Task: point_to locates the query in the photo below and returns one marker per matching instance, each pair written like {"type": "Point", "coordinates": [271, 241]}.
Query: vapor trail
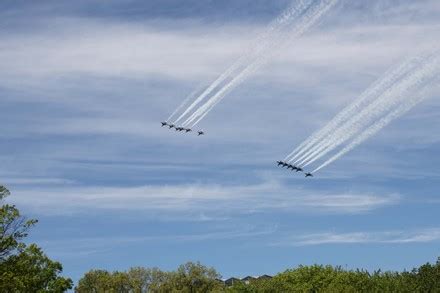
{"type": "Point", "coordinates": [380, 85]}
{"type": "Point", "coordinates": [191, 96]}
{"type": "Point", "coordinates": [383, 104]}
{"type": "Point", "coordinates": [259, 45]}
{"type": "Point", "coordinates": [376, 96]}
{"type": "Point", "coordinates": [210, 88]}
{"type": "Point", "coordinates": [372, 130]}
{"type": "Point", "coordinates": [310, 16]}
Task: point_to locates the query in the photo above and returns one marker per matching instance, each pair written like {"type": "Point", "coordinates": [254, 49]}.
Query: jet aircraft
{"type": "Point", "coordinates": [309, 175]}
{"type": "Point", "coordinates": [299, 169]}
{"type": "Point", "coordinates": [280, 163]}
{"type": "Point", "coordinates": [188, 130]}
{"type": "Point", "coordinates": [292, 167]}
{"type": "Point", "coordinates": [200, 133]}
{"type": "Point", "coordinates": [164, 124]}
{"type": "Point", "coordinates": [171, 126]}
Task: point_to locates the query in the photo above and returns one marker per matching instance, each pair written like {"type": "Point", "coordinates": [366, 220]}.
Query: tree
{"type": "Point", "coordinates": [147, 280]}
{"type": "Point", "coordinates": [13, 227]}
{"type": "Point", "coordinates": [32, 271]}
{"type": "Point", "coordinates": [24, 268]}
{"type": "Point", "coordinates": [428, 277]}
{"type": "Point", "coordinates": [95, 281]}
{"type": "Point", "coordinates": [195, 277]}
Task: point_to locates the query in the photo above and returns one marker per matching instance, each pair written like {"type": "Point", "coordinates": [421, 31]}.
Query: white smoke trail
{"type": "Point", "coordinates": [210, 88]}
{"type": "Point", "coordinates": [264, 46]}
{"type": "Point", "coordinates": [191, 96]}
{"type": "Point", "coordinates": [310, 16]}
{"type": "Point", "coordinates": [259, 45]}
{"type": "Point", "coordinates": [384, 103]}
{"type": "Point", "coordinates": [380, 85]}
{"type": "Point", "coordinates": [376, 94]}
{"type": "Point", "coordinates": [372, 130]}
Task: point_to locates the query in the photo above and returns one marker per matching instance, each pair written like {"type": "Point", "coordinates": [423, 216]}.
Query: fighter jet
{"type": "Point", "coordinates": [164, 124]}
{"type": "Point", "coordinates": [188, 130]}
{"type": "Point", "coordinates": [280, 163]}
{"type": "Point", "coordinates": [200, 133]}
{"type": "Point", "coordinates": [171, 126]}
{"type": "Point", "coordinates": [292, 167]}
{"type": "Point", "coordinates": [285, 165]}
{"type": "Point", "coordinates": [180, 129]}
{"type": "Point", "coordinates": [299, 169]}
{"type": "Point", "coordinates": [309, 175]}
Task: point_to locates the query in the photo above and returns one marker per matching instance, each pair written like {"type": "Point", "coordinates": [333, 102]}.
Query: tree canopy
{"type": "Point", "coordinates": [194, 277]}
{"type": "Point", "coordinates": [24, 268]}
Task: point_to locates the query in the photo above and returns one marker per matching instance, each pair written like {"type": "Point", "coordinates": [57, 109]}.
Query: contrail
{"type": "Point", "coordinates": [187, 99]}
{"type": "Point", "coordinates": [295, 9]}
{"type": "Point", "coordinates": [372, 130]}
{"type": "Point", "coordinates": [211, 87]}
{"type": "Point", "coordinates": [384, 103]}
{"type": "Point", "coordinates": [384, 82]}
{"type": "Point", "coordinates": [310, 16]}
{"type": "Point", "coordinates": [356, 117]}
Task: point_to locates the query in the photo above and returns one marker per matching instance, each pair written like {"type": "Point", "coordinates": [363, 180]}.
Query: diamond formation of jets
{"type": "Point", "coordinates": [293, 168]}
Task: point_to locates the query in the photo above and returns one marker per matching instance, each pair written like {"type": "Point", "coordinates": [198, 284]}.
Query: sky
{"type": "Point", "coordinates": [85, 84]}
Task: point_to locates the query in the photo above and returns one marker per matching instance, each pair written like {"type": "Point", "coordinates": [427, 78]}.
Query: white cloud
{"type": "Point", "coordinates": [35, 181]}
{"type": "Point", "coordinates": [387, 237]}
{"type": "Point", "coordinates": [196, 52]}
{"type": "Point", "coordinates": [85, 246]}
{"type": "Point", "coordinates": [197, 199]}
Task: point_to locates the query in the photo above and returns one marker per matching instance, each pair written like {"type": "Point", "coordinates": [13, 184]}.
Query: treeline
{"type": "Point", "coordinates": [194, 277]}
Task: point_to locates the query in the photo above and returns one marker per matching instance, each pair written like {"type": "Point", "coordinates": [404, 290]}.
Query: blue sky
{"type": "Point", "coordinates": [84, 85]}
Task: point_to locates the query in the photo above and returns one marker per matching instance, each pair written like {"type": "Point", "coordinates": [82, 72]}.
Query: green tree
{"type": "Point", "coordinates": [24, 268]}
{"type": "Point", "coordinates": [95, 281]}
{"type": "Point", "coordinates": [195, 277]}
{"type": "Point", "coordinates": [147, 280]}
{"type": "Point", "coordinates": [32, 271]}
{"type": "Point", "coordinates": [13, 227]}
{"type": "Point", "coordinates": [428, 277]}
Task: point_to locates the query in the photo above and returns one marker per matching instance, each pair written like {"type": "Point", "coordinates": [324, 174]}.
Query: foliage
{"type": "Point", "coordinates": [32, 271]}
{"type": "Point", "coordinates": [194, 277]}
{"type": "Point", "coordinates": [317, 278]}
{"type": "Point", "coordinates": [189, 277]}
{"type": "Point", "coordinates": [13, 227]}
{"type": "Point", "coordinates": [24, 268]}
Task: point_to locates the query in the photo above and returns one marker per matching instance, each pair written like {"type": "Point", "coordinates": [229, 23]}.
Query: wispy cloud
{"type": "Point", "coordinates": [199, 198]}
{"type": "Point", "coordinates": [103, 48]}
{"type": "Point", "coordinates": [387, 237]}
{"type": "Point", "coordinates": [34, 181]}
{"type": "Point", "coordinates": [99, 245]}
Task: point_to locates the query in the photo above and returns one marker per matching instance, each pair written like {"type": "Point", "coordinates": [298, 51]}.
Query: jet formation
{"type": "Point", "coordinates": [180, 129]}
{"type": "Point", "coordinates": [293, 168]}
{"type": "Point", "coordinates": [200, 132]}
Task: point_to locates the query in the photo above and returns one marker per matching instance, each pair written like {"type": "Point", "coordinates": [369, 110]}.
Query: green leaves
{"type": "Point", "coordinates": [13, 227]}
{"type": "Point", "coordinates": [24, 268]}
{"type": "Point", "coordinates": [189, 277]}
{"type": "Point", "coordinates": [32, 271]}
{"type": "Point", "coordinates": [194, 277]}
